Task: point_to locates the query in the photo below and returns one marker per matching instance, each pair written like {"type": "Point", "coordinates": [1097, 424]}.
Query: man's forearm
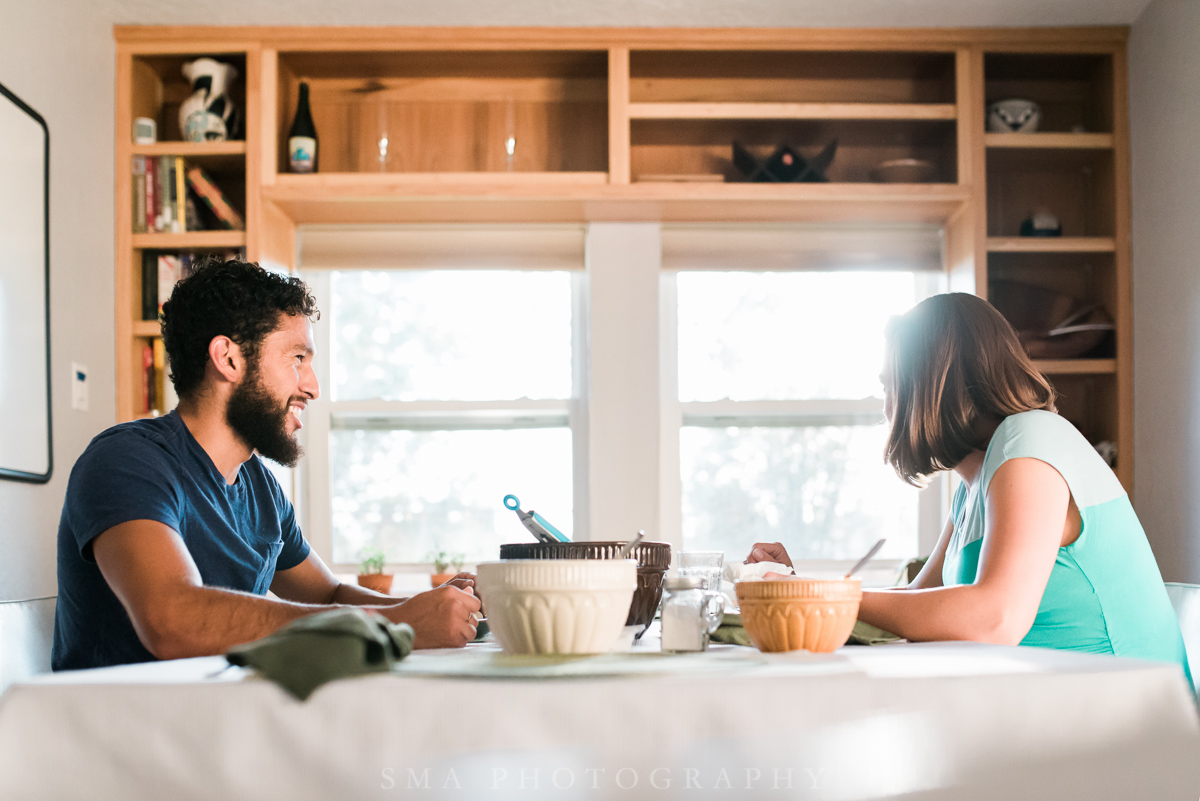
{"type": "Point", "coordinates": [353, 595]}
{"type": "Point", "coordinates": [203, 621]}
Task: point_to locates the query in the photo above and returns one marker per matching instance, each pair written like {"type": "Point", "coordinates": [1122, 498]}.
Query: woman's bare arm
{"type": "Point", "coordinates": [1026, 506]}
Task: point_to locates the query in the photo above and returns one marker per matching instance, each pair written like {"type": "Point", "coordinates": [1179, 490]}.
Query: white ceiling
{"type": "Point", "coordinates": [714, 13]}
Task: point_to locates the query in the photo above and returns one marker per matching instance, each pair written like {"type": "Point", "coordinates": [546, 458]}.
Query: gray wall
{"type": "Point", "coordinates": [1165, 122]}
{"type": "Point", "coordinates": [60, 62]}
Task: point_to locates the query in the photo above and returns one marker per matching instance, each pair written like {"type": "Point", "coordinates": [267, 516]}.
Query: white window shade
{"type": "Point", "coordinates": [802, 247]}
{"type": "Point", "coordinates": [442, 247]}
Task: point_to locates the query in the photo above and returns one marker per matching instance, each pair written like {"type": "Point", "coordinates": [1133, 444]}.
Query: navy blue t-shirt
{"type": "Point", "coordinates": [238, 534]}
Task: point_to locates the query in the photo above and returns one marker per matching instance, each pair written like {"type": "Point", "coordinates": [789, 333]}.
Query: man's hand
{"type": "Point", "coordinates": [768, 552]}
{"type": "Point", "coordinates": [442, 618]}
{"type": "Point", "coordinates": [466, 582]}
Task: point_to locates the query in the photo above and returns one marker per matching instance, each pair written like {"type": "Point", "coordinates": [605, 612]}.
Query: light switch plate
{"type": "Point", "coordinates": [79, 387]}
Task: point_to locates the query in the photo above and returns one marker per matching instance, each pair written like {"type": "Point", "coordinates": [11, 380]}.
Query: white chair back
{"type": "Point", "coordinates": [26, 635]}
{"type": "Point", "coordinates": [1186, 600]}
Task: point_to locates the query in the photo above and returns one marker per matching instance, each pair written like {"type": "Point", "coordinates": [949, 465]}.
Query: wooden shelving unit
{"type": "Point", "coordinates": [150, 84]}
{"type": "Point", "coordinates": [638, 124]}
{"type": "Point", "coordinates": [1077, 168]}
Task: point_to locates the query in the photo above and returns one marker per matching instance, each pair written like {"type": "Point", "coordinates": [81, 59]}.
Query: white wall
{"type": "Point", "coordinates": [60, 62]}
{"type": "Point", "coordinates": [1165, 120]}
{"type": "Point", "coordinates": [619, 13]}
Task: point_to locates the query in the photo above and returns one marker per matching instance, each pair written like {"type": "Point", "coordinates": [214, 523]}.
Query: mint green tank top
{"type": "Point", "coordinates": [1105, 593]}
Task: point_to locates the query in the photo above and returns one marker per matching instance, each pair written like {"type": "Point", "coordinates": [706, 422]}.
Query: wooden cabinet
{"type": "Point", "coordinates": [549, 125]}
{"type": "Point", "coordinates": [1075, 167]}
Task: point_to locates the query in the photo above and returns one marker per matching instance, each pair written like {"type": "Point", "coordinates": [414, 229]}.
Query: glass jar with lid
{"type": "Point", "coordinates": [689, 614]}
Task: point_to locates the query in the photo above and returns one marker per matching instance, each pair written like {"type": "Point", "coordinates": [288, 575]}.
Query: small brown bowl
{"type": "Point", "coordinates": [653, 559]}
{"type": "Point", "coordinates": [793, 614]}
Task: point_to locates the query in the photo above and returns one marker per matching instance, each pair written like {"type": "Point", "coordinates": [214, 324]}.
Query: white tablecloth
{"type": "Point", "coordinates": [922, 721]}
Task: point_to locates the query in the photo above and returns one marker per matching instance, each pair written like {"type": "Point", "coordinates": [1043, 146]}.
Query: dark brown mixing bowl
{"type": "Point", "coordinates": [653, 559]}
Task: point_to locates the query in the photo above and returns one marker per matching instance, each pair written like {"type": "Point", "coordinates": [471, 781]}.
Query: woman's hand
{"type": "Point", "coordinates": [768, 552]}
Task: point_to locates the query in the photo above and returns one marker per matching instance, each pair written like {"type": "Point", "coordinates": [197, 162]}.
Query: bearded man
{"type": "Point", "coordinates": [173, 529]}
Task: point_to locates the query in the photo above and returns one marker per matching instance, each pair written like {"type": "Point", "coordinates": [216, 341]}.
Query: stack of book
{"type": "Point", "coordinates": [162, 270]}
{"type": "Point", "coordinates": [169, 196]}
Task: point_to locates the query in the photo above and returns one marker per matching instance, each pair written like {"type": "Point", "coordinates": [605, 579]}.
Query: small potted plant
{"type": "Point", "coordinates": [445, 566]}
{"type": "Point", "coordinates": [370, 571]}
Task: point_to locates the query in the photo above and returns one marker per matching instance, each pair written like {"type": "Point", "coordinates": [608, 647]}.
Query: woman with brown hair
{"type": "Point", "coordinates": [1042, 546]}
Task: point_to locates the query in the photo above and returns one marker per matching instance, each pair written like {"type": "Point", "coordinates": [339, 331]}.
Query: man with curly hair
{"type": "Point", "coordinates": [173, 530]}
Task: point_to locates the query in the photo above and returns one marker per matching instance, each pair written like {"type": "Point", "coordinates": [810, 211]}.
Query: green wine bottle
{"type": "Point", "coordinates": [302, 137]}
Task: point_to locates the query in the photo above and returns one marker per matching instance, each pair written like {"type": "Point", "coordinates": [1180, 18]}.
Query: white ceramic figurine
{"type": "Point", "coordinates": [209, 115]}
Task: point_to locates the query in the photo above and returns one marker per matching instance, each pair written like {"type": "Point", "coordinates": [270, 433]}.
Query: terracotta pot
{"type": "Point", "coordinates": [438, 579]}
{"type": "Point", "coordinates": [809, 614]}
{"type": "Point", "coordinates": [380, 582]}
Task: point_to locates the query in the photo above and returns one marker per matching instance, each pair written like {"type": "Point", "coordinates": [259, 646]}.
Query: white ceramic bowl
{"type": "Point", "coordinates": [557, 606]}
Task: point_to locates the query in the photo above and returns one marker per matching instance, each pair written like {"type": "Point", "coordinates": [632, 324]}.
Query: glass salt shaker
{"type": "Point", "coordinates": [689, 615]}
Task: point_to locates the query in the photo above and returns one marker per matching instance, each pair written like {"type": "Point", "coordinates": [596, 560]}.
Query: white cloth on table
{"type": "Point", "coordinates": [932, 720]}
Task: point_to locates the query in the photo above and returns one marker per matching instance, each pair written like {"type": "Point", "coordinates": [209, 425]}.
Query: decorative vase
{"type": "Point", "coordinates": [209, 115]}
{"type": "Point", "coordinates": [380, 582]}
{"type": "Point", "coordinates": [438, 579]}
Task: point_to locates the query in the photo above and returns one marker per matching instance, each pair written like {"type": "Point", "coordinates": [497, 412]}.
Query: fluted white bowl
{"type": "Point", "coordinates": [557, 606]}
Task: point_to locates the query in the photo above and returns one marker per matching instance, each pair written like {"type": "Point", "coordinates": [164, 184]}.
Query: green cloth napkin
{"type": "Point", "coordinates": [337, 644]}
{"type": "Point", "coordinates": [732, 632]}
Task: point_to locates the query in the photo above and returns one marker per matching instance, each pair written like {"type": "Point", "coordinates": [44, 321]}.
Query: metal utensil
{"type": "Point", "coordinates": [628, 547]}
{"type": "Point", "coordinates": [861, 563]}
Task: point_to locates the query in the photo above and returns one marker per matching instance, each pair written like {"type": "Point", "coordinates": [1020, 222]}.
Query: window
{"type": "Point", "coordinates": [782, 414]}
{"type": "Point", "coordinates": [713, 385]}
{"type": "Point", "coordinates": [443, 391]}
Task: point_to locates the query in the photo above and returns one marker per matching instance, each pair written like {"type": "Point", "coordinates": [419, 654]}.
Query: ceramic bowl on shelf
{"type": "Point", "coordinates": [903, 171]}
{"type": "Point", "coordinates": [793, 614]}
{"type": "Point", "coordinates": [557, 606]}
{"type": "Point", "coordinates": [653, 559]}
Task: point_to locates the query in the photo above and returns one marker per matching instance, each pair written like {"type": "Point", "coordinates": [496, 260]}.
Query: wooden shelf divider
{"type": "Point", "coordinates": [1051, 244]}
{"type": "Point", "coordinates": [191, 149]}
{"type": "Point", "coordinates": [793, 111]}
{"type": "Point", "coordinates": [193, 240]}
{"type": "Point", "coordinates": [1076, 366]}
{"type": "Point", "coordinates": [146, 328]}
{"type": "Point", "coordinates": [1050, 141]}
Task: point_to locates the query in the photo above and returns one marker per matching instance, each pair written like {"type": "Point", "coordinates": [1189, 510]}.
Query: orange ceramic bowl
{"type": "Point", "coordinates": [794, 614]}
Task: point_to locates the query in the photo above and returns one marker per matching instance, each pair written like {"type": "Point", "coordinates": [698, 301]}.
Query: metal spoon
{"type": "Point", "coordinates": [861, 563]}
{"type": "Point", "coordinates": [628, 547]}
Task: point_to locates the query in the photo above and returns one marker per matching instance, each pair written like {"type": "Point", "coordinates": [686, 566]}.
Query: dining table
{"type": "Point", "coordinates": [949, 720]}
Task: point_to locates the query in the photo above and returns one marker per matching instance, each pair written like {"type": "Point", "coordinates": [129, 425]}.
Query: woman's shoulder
{"type": "Point", "coordinates": [1041, 423]}
{"type": "Point", "coordinates": [1053, 439]}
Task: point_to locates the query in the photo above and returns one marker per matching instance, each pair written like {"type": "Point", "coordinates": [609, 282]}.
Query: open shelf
{"type": "Point", "coordinates": [1073, 90]}
{"type": "Point", "coordinates": [1051, 244]}
{"type": "Point", "coordinates": [1077, 186]}
{"type": "Point", "coordinates": [793, 111]}
{"type": "Point", "coordinates": [193, 240]}
{"type": "Point", "coordinates": [159, 88]}
{"type": "Point", "coordinates": [705, 146]}
{"type": "Point", "coordinates": [1089, 401]}
{"type": "Point", "coordinates": [450, 111]}
{"type": "Point", "coordinates": [794, 76]}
